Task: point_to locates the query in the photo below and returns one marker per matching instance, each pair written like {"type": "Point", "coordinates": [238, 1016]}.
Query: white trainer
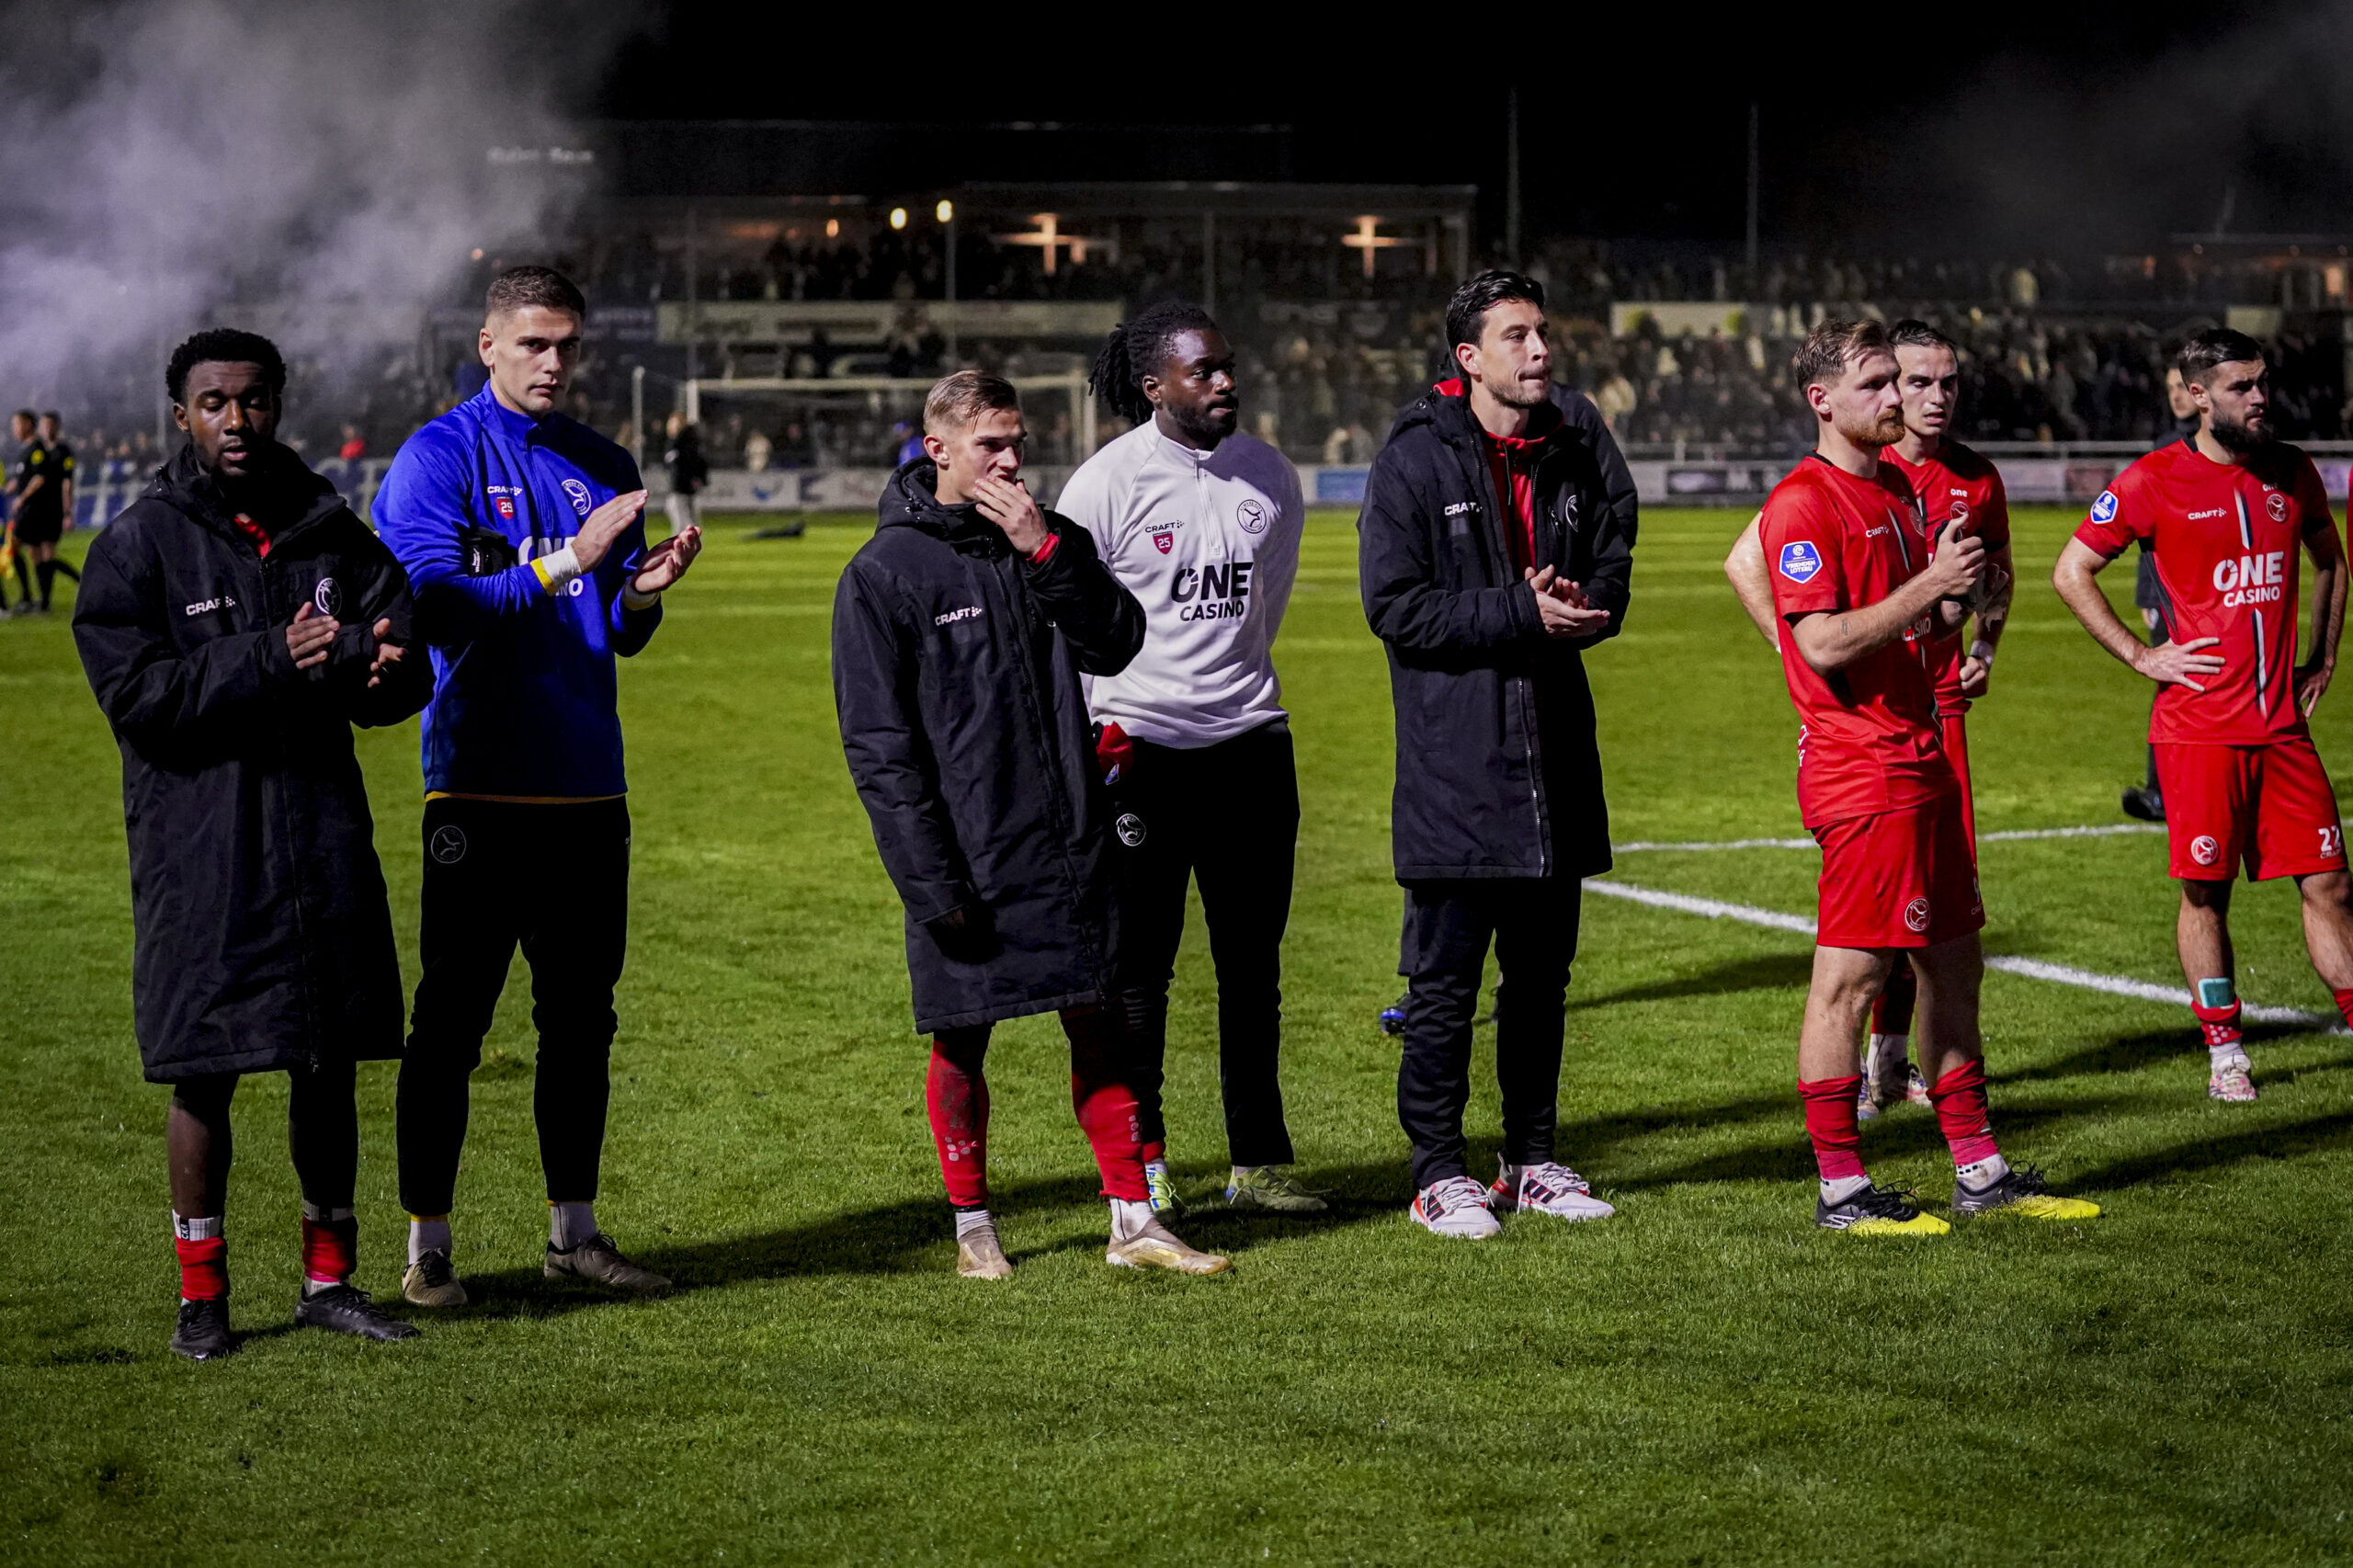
{"type": "Point", "coordinates": [1547, 1188]}
{"type": "Point", "coordinates": [1456, 1206]}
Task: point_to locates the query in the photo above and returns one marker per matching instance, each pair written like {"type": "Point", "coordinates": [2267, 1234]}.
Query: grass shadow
{"type": "Point", "coordinates": [2129, 1053]}
{"type": "Point", "coordinates": [907, 1237]}
{"type": "Point", "coordinates": [1764, 972]}
{"type": "Point", "coordinates": [2279, 1142]}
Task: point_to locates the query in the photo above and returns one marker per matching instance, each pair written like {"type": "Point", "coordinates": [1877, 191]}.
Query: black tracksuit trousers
{"type": "Point", "coordinates": [1533, 924]}
{"type": "Point", "coordinates": [1226, 815]}
{"type": "Point", "coordinates": [555, 879]}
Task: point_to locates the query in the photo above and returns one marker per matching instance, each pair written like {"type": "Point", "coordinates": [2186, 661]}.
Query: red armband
{"type": "Point", "coordinates": [1045, 551]}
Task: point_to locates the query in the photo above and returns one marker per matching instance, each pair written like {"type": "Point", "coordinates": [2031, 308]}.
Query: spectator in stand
{"type": "Point", "coordinates": [756, 451]}
{"type": "Point", "coordinates": [355, 444]}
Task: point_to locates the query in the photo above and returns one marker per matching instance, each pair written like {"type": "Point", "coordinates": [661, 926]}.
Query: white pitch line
{"type": "Point", "coordinates": [2031, 969]}
{"type": "Point", "coordinates": [2105, 830]}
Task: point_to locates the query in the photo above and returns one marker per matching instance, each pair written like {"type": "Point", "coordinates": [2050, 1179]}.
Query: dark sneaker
{"type": "Point", "coordinates": [430, 1281]}
{"type": "Point", "coordinates": [1878, 1211]}
{"type": "Point", "coordinates": [599, 1262]}
{"type": "Point", "coordinates": [2144, 803]}
{"type": "Point", "coordinates": [2022, 1193]}
{"type": "Point", "coordinates": [346, 1308]}
{"type": "Point", "coordinates": [202, 1332]}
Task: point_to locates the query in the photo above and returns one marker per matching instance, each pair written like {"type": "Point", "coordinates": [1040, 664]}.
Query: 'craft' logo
{"type": "Point", "coordinates": [2204, 850]}
{"type": "Point", "coordinates": [1916, 914]}
{"type": "Point", "coordinates": [449, 844]}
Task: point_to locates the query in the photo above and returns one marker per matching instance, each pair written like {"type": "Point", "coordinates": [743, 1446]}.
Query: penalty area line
{"type": "Point", "coordinates": [2102, 830]}
{"type": "Point", "coordinates": [2031, 969]}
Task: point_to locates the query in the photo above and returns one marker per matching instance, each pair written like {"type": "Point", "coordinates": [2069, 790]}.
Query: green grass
{"type": "Point", "coordinates": [1704, 1379]}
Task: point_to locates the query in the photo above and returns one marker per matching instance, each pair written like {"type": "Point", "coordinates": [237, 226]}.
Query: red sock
{"type": "Point", "coordinates": [1831, 1125]}
{"type": "Point", "coordinates": [1891, 1009]}
{"type": "Point", "coordinates": [204, 1268]}
{"type": "Point", "coordinates": [330, 1249]}
{"type": "Point", "coordinates": [2345, 1006]}
{"type": "Point", "coordinates": [1960, 1099]}
{"type": "Point", "coordinates": [956, 1092]}
{"type": "Point", "coordinates": [1105, 1103]}
{"type": "Point", "coordinates": [2221, 1025]}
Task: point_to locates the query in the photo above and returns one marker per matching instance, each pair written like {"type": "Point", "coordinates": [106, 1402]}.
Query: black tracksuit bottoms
{"type": "Point", "coordinates": [555, 879]}
{"type": "Point", "coordinates": [1226, 815]}
{"type": "Point", "coordinates": [1532, 921]}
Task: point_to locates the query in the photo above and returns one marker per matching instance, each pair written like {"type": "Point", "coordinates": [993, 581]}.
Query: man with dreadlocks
{"type": "Point", "coordinates": [1201, 523]}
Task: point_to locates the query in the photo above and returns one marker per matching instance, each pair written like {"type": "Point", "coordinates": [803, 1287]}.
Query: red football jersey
{"type": "Point", "coordinates": [1869, 741]}
{"type": "Point", "coordinates": [2227, 540]}
{"type": "Point", "coordinates": [1957, 485]}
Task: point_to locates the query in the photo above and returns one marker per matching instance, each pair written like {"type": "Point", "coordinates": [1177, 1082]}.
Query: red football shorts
{"type": "Point", "coordinates": [2270, 807]}
{"type": "Point", "coordinates": [1903, 879]}
{"type": "Point", "coordinates": [1954, 722]}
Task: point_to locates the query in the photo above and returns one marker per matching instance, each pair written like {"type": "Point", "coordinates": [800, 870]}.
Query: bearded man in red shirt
{"type": "Point", "coordinates": [2224, 512]}
{"type": "Point", "coordinates": [1863, 596]}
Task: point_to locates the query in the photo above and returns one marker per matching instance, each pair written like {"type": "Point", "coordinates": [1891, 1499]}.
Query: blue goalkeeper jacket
{"type": "Point", "coordinates": [523, 676]}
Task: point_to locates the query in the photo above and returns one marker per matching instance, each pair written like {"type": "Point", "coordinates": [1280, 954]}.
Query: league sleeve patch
{"type": "Point", "coordinates": [1800, 561]}
{"type": "Point", "coordinates": [2104, 509]}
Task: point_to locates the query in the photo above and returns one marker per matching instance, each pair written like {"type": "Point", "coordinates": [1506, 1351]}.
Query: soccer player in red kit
{"type": "Point", "coordinates": [1860, 596]}
{"type": "Point", "coordinates": [2224, 510]}
{"type": "Point", "coordinates": [1951, 484]}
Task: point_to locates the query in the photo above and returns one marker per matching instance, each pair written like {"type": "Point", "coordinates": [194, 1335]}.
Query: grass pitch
{"type": "Point", "coordinates": [1705, 1379]}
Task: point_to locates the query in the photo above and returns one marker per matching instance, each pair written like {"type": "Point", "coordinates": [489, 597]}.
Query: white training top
{"type": "Point", "coordinates": [1208, 542]}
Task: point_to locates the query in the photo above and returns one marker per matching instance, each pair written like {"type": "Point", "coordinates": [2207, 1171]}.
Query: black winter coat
{"type": "Point", "coordinates": [1498, 771]}
{"type": "Point", "coordinates": [956, 668]}
{"type": "Point", "coordinates": [263, 935]}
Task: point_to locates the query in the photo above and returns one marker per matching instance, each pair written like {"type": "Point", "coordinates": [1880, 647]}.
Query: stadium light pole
{"type": "Point", "coordinates": [1208, 260]}
{"type": "Point", "coordinates": [637, 414]}
{"type": "Point", "coordinates": [1511, 176]}
{"type": "Point", "coordinates": [1752, 198]}
{"type": "Point", "coordinates": [946, 213]}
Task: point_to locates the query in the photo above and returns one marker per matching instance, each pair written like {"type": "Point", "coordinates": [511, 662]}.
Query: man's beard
{"type": "Point", "coordinates": [1514, 393]}
{"type": "Point", "coordinates": [1200, 424]}
{"type": "Point", "coordinates": [1881, 431]}
{"type": "Point", "coordinates": [2236, 437]}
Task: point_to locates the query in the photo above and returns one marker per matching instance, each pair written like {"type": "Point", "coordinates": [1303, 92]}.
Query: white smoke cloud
{"type": "Point", "coordinates": [322, 169]}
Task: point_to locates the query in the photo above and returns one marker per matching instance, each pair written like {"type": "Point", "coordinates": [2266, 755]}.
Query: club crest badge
{"type": "Point", "coordinates": [1131, 829]}
{"type": "Point", "coordinates": [1800, 561]}
{"type": "Point", "coordinates": [2204, 849]}
{"type": "Point", "coordinates": [448, 846]}
{"type": "Point", "coordinates": [327, 598]}
{"type": "Point", "coordinates": [1252, 517]}
{"type": "Point", "coordinates": [1916, 914]}
{"type": "Point", "coordinates": [2277, 505]}
{"type": "Point", "coordinates": [578, 494]}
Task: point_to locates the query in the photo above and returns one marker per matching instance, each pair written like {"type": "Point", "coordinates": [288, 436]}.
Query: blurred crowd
{"type": "Point", "coordinates": [2051, 351]}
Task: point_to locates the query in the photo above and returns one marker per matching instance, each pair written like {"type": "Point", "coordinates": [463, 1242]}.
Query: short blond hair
{"type": "Point", "coordinates": [957, 400]}
{"type": "Point", "coordinates": [1822, 360]}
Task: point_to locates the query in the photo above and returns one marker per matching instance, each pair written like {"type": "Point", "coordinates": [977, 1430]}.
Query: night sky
{"type": "Point", "coordinates": [2114, 125]}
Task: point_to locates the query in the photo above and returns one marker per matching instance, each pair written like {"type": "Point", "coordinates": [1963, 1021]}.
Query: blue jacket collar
{"type": "Point", "coordinates": [516, 426]}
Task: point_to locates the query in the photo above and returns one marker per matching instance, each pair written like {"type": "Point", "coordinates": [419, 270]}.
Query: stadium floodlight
{"type": "Point", "coordinates": [945, 212]}
{"type": "Point", "coordinates": [898, 216]}
{"type": "Point", "coordinates": [833, 228]}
